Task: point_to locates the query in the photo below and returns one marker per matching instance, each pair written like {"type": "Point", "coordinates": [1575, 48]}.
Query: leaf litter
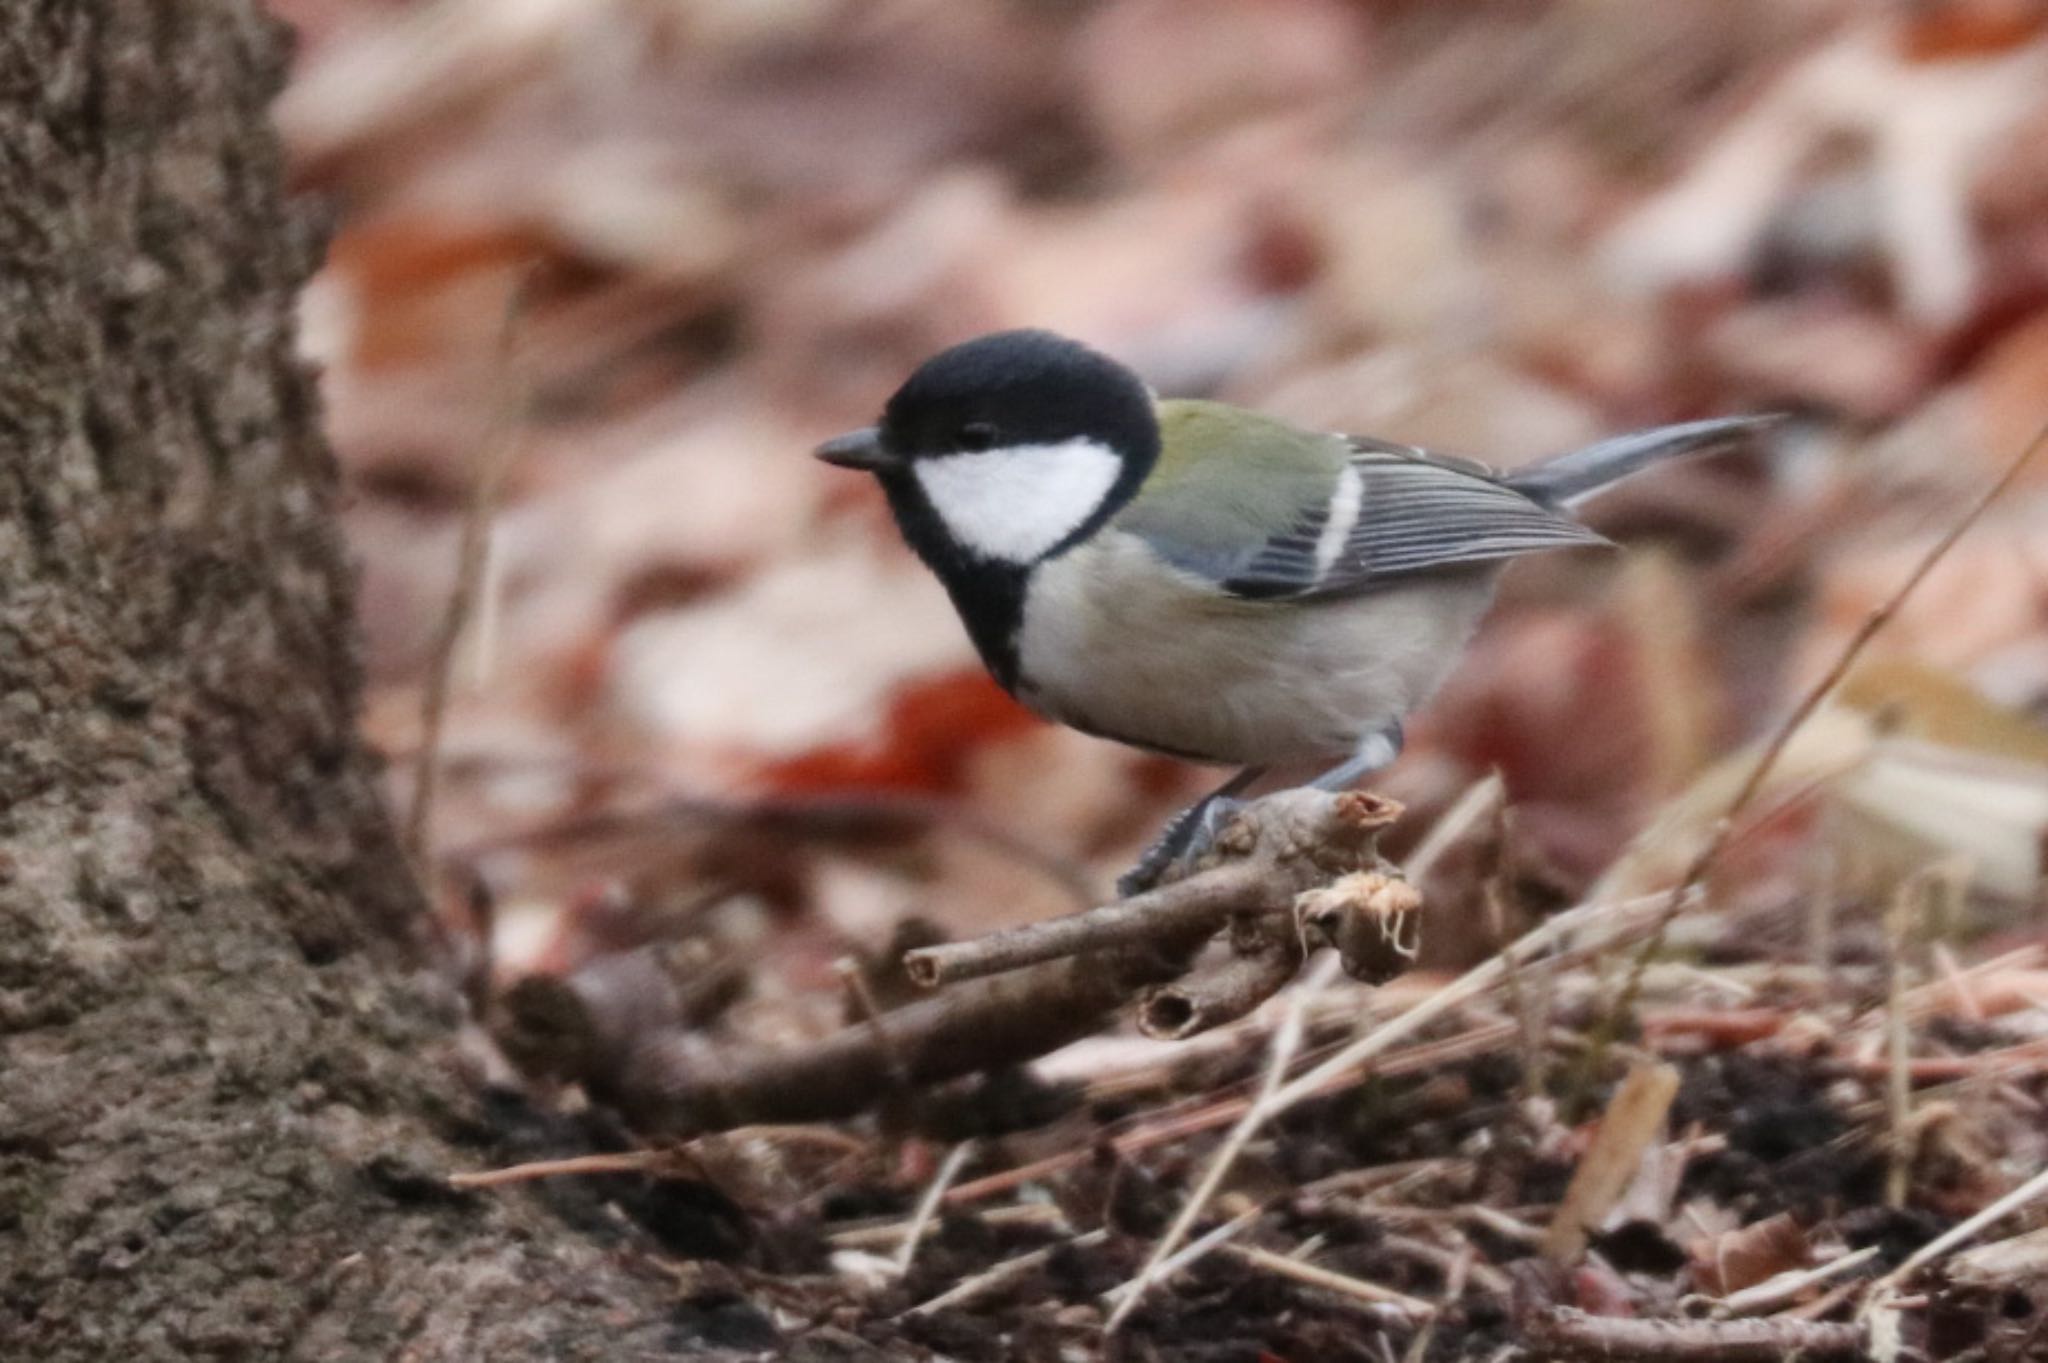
{"type": "Point", "coordinates": [714, 755]}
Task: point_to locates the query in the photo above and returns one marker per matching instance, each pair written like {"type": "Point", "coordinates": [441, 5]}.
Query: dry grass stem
{"type": "Point", "coordinates": [871, 1014]}
{"type": "Point", "coordinates": [928, 1205]}
{"type": "Point", "coordinates": [1782, 1288]}
{"type": "Point", "coordinates": [2002, 1263]}
{"type": "Point", "coordinates": [1899, 916]}
{"type": "Point", "coordinates": [1454, 1288]}
{"type": "Point", "coordinates": [1000, 1275]}
{"type": "Point", "coordinates": [1339, 1068]}
{"type": "Point", "coordinates": [493, 461]}
{"type": "Point", "coordinates": [2033, 1190]}
{"type": "Point", "coordinates": [1126, 1296]}
{"type": "Point", "coordinates": [1774, 749]}
{"type": "Point", "coordinates": [1286, 1041]}
{"type": "Point", "coordinates": [1358, 1289]}
{"type": "Point", "coordinates": [1177, 1127]}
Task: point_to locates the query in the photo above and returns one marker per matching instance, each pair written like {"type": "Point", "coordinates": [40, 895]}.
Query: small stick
{"type": "Point", "coordinates": [1775, 1291]}
{"type": "Point", "coordinates": [2002, 1263]}
{"type": "Point", "coordinates": [1933, 996]}
{"type": "Point", "coordinates": [2018, 1058]}
{"type": "Point", "coordinates": [1479, 980]}
{"type": "Point", "coordinates": [1449, 1262]}
{"type": "Point", "coordinates": [999, 1275]}
{"type": "Point", "coordinates": [1358, 1289]}
{"type": "Point", "coordinates": [1632, 1120]}
{"type": "Point", "coordinates": [1565, 1332]}
{"type": "Point", "coordinates": [928, 1205]}
{"type": "Point", "coordinates": [1127, 1295]}
{"type": "Point", "coordinates": [1138, 919]}
{"type": "Point", "coordinates": [1481, 796]}
{"type": "Point", "coordinates": [623, 1162]}
{"type": "Point", "coordinates": [1309, 833]}
{"type": "Point", "coordinates": [1500, 1223]}
{"type": "Point", "coordinates": [889, 1234]}
{"type": "Point", "coordinates": [1203, 999]}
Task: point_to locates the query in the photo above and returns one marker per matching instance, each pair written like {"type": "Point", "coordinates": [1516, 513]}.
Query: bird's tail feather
{"type": "Point", "coordinates": [1571, 477]}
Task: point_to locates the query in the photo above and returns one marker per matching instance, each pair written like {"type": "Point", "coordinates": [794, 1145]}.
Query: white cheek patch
{"type": "Point", "coordinates": [1014, 504]}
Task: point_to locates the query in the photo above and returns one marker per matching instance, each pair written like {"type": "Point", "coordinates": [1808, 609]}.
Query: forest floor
{"type": "Point", "coordinates": [710, 742]}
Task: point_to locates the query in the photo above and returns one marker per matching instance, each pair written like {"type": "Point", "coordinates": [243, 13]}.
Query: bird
{"type": "Point", "coordinates": [1201, 580]}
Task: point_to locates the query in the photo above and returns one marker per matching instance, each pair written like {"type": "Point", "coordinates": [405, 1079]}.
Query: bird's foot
{"type": "Point", "coordinates": [1190, 834]}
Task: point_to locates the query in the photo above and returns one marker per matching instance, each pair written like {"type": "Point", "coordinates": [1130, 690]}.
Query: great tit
{"type": "Point", "coordinates": [1199, 580]}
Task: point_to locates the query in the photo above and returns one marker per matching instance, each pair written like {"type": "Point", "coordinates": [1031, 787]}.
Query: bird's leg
{"type": "Point", "coordinates": [1375, 753]}
{"type": "Point", "coordinates": [1186, 833]}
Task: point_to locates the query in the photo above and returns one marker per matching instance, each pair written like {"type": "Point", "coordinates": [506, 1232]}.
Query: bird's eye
{"type": "Point", "coordinates": [977, 435]}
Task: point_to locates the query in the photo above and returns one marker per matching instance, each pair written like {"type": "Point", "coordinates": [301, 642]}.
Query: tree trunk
{"type": "Point", "coordinates": [226, 1093]}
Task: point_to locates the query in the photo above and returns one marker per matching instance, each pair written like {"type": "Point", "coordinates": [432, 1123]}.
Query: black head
{"type": "Point", "coordinates": [1020, 388]}
{"type": "Point", "coordinates": [1004, 451]}
{"type": "Point", "coordinates": [1011, 389]}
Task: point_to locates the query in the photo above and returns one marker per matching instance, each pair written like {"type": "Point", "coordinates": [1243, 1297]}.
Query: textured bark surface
{"type": "Point", "coordinates": [225, 1092]}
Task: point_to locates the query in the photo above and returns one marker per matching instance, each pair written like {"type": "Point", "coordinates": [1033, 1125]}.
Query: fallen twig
{"type": "Point", "coordinates": [1309, 1275]}
{"type": "Point", "coordinates": [1281, 847]}
{"type": "Point", "coordinates": [1562, 1331]}
{"type": "Point", "coordinates": [1000, 1275]}
{"type": "Point", "coordinates": [1206, 998]}
{"type": "Point", "coordinates": [1454, 1288]}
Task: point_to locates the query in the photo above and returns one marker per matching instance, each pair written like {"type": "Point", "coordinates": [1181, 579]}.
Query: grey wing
{"type": "Point", "coordinates": [1398, 510]}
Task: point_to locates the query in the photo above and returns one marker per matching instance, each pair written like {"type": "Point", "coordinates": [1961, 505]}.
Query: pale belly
{"type": "Point", "coordinates": [1158, 661]}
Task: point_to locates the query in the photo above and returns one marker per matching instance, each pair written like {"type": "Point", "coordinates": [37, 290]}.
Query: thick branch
{"type": "Point", "coordinates": [617, 1031]}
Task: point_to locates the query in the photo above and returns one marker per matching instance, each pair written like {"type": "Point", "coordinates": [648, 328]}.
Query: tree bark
{"type": "Point", "coordinates": [227, 1092]}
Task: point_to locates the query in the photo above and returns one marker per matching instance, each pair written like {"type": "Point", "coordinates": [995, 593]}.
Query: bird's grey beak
{"type": "Point", "coordinates": [861, 449]}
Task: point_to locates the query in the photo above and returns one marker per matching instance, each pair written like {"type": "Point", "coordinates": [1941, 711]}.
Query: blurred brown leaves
{"type": "Point", "coordinates": [1499, 227]}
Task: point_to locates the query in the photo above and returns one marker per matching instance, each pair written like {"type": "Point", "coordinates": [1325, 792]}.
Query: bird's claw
{"type": "Point", "coordinates": [1190, 834]}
